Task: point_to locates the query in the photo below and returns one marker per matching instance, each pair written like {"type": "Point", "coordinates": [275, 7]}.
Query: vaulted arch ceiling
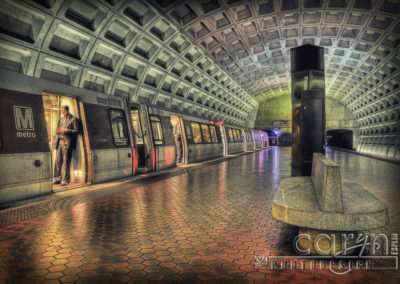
{"type": "Point", "coordinates": [251, 41]}
{"type": "Point", "coordinates": [213, 58]}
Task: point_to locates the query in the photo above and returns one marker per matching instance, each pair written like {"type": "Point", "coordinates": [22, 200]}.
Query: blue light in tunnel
{"type": "Point", "coordinates": [277, 131]}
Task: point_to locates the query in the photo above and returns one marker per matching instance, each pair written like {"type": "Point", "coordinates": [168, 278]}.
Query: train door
{"type": "Point", "coordinates": [224, 139]}
{"type": "Point", "coordinates": [249, 139]}
{"type": "Point", "coordinates": [180, 139]}
{"type": "Point", "coordinates": [141, 140]}
{"type": "Point", "coordinates": [243, 139]}
{"type": "Point", "coordinates": [52, 108]}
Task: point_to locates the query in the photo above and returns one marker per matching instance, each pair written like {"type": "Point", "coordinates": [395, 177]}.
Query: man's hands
{"type": "Point", "coordinates": [61, 130]}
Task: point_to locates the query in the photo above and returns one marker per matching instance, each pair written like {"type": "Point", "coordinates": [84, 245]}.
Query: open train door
{"type": "Point", "coordinates": [180, 139]}
{"type": "Point", "coordinates": [80, 172]}
{"type": "Point", "coordinates": [143, 152]}
{"type": "Point", "coordinates": [223, 136]}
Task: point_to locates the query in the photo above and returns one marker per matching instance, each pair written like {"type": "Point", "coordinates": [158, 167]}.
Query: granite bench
{"type": "Point", "coordinates": [323, 202]}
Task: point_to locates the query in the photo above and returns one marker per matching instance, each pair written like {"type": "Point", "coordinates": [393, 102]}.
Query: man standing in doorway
{"type": "Point", "coordinates": [178, 143]}
{"type": "Point", "coordinates": [67, 129]}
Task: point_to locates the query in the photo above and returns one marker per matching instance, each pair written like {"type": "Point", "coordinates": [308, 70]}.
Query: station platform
{"type": "Point", "coordinates": [210, 223]}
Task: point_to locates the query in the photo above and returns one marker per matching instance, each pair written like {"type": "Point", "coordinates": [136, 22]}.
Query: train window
{"type": "Point", "coordinates": [196, 133]}
{"type": "Point", "coordinates": [235, 134]}
{"type": "Point", "coordinates": [249, 138]}
{"type": "Point", "coordinates": [157, 130]}
{"type": "Point", "coordinates": [118, 127]}
{"type": "Point", "coordinates": [137, 127]}
{"type": "Point", "coordinates": [238, 135]}
{"type": "Point", "coordinates": [206, 133]}
{"type": "Point", "coordinates": [230, 135]}
{"type": "Point", "coordinates": [213, 133]}
{"type": "Point", "coordinates": [188, 131]}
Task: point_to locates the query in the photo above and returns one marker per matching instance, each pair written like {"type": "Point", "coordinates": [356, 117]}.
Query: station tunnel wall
{"type": "Point", "coordinates": [277, 113]}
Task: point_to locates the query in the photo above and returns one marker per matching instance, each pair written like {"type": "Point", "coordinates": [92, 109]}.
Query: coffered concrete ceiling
{"type": "Point", "coordinates": [212, 58]}
{"type": "Point", "coordinates": [123, 48]}
{"type": "Point", "coordinates": [251, 40]}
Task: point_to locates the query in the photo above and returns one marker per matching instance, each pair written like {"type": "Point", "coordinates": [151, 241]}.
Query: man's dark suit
{"type": "Point", "coordinates": [67, 142]}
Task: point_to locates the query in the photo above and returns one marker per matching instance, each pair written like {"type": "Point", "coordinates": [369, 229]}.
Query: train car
{"type": "Point", "coordinates": [153, 129]}
{"type": "Point", "coordinates": [264, 138]}
{"type": "Point", "coordinates": [30, 109]}
{"type": "Point", "coordinates": [109, 153]}
{"type": "Point", "coordinates": [258, 139]}
{"type": "Point", "coordinates": [116, 138]}
{"type": "Point", "coordinates": [203, 140]}
{"type": "Point", "coordinates": [25, 158]}
{"type": "Point", "coordinates": [250, 144]}
{"type": "Point", "coordinates": [234, 140]}
{"type": "Point", "coordinates": [167, 138]}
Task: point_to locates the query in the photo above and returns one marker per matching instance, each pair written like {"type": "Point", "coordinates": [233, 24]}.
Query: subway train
{"type": "Point", "coordinates": [117, 138]}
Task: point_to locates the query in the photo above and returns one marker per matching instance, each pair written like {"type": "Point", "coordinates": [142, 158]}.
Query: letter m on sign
{"type": "Point", "coordinates": [23, 118]}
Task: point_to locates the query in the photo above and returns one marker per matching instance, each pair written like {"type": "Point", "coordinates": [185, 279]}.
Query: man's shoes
{"type": "Point", "coordinates": [64, 183]}
{"type": "Point", "coordinates": [56, 182]}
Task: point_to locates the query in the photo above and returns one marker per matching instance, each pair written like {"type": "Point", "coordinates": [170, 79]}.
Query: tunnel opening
{"type": "Point", "coordinates": [277, 137]}
{"type": "Point", "coordinates": [340, 138]}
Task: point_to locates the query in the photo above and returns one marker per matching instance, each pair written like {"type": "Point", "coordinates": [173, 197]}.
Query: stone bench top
{"type": "Point", "coordinates": [297, 203]}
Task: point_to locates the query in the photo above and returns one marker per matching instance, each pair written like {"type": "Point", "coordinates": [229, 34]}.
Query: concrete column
{"type": "Point", "coordinates": [308, 106]}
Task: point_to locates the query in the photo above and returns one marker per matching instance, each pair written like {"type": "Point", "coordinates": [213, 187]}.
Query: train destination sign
{"type": "Point", "coordinates": [109, 102]}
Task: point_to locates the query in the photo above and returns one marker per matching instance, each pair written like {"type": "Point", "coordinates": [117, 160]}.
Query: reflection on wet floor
{"type": "Point", "coordinates": [379, 177]}
{"type": "Point", "coordinates": [204, 225]}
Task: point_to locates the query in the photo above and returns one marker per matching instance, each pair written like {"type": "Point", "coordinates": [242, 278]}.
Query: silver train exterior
{"type": "Point", "coordinates": [117, 139]}
{"type": "Point", "coordinates": [30, 110]}
{"type": "Point", "coordinates": [235, 140]}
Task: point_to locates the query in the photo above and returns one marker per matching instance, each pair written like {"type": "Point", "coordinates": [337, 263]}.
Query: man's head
{"type": "Point", "coordinates": [65, 110]}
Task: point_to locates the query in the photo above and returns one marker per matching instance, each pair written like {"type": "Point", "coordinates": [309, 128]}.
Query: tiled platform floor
{"type": "Point", "coordinates": [206, 225]}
